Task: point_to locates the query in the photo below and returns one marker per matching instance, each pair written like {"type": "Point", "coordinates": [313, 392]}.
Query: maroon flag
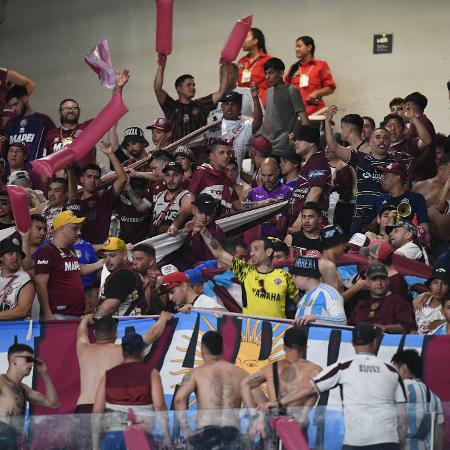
{"type": "Point", "coordinates": [99, 61]}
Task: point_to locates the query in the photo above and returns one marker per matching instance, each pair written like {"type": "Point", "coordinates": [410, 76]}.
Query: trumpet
{"type": "Point", "coordinates": [403, 210]}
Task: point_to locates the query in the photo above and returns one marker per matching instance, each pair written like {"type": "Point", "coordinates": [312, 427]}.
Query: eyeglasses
{"type": "Point", "coordinates": [70, 108]}
{"type": "Point", "coordinates": [28, 359]}
{"type": "Point", "coordinates": [261, 291]}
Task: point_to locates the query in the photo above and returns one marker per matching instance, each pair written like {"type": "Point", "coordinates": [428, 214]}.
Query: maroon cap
{"type": "Point", "coordinates": [396, 169]}
{"type": "Point", "coordinates": [8, 111]}
{"type": "Point", "coordinates": [380, 250]}
{"type": "Point", "coordinates": [261, 144]}
{"type": "Point", "coordinates": [20, 145]}
{"type": "Point", "coordinates": [172, 280]}
{"type": "Point", "coordinates": [160, 124]}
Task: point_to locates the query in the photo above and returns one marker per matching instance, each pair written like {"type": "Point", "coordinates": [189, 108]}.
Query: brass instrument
{"type": "Point", "coordinates": [403, 210]}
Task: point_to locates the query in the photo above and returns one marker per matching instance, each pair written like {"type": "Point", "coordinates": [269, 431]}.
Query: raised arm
{"type": "Point", "coordinates": [155, 331]}
{"type": "Point", "coordinates": [121, 180]}
{"type": "Point", "coordinates": [14, 77]}
{"type": "Point", "coordinates": [50, 399]}
{"type": "Point", "coordinates": [343, 153]}
{"type": "Point", "coordinates": [215, 248]}
{"type": "Point", "coordinates": [71, 185]}
{"type": "Point", "coordinates": [257, 110]}
{"type": "Point", "coordinates": [87, 269]}
{"type": "Point", "coordinates": [160, 93]}
{"type": "Point", "coordinates": [82, 332]}
{"type": "Point", "coordinates": [223, 74]}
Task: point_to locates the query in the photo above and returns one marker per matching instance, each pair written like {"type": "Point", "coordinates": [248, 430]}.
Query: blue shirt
{"type": "Point", "coordinates": [441, 330]}
{"type": "Point", "coordinates": [86, 255]}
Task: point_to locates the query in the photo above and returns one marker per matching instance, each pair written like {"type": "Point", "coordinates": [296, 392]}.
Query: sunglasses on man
{"type": "Point", "coordinates": [29, 359]}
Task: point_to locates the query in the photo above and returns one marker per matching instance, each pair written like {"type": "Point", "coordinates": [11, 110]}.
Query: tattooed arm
{"type": "Point", "coordinates": [251, 382]}
{"type": "Point", "coordinates": [215, 248]}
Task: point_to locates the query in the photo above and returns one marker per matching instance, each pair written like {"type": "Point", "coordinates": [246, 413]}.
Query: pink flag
{"type": "Point", "coordinates": [99, 61]}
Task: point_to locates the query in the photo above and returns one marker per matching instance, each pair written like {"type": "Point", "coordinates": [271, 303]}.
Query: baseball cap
{"type": "Point", "coordinates": [380, 250]}
{"type": "Point", "coordinates": [182, 150]}
{"type": "Point", "coordinates": [295, 337]}
{"type": "Point", "coordinates": [65, 217]}
{"type": "Point", "coordinates": [261, 144]}
{"type": "Point", "coordinates": [364, 333]}
{"type": "Point", "coordinates": [133, 342]}
{"type": "Point", "coordinates": [18, 175]}
{"type": "Point", "coordinates": [309, 134]}
{"type": "Point", "coordinates": [357, 241]}
{"type": "Point", "coordinates": [232, 96]}
{"type": "Point", "coordinates": [160, 124]}
{"type": "Point", "coordinates": [404, 224]}
{"type": "Point", "coordinates": [439, 273]}
{"type": "Point", "coordinates": [168, 268]}
{"type": "Point", "coordinates": [20, 145]}
{"type": "Point", "coordinates": [195, 276]}
{"type": "Point", "coordinates": [396, 169]}
{"type": "Point", "coordinates": [113, 244]}
{"type": "Point", "coordinates": [306, 267]}
{"type": "Point", "coordinates": [386, 207]}
{"type": "Point", "coordinates": [7, 245]}
{"type": "Point", "coordinates": [133, 134]}
{"type": "Point", "coordinates": [332, 235]}
{"type": "Point", "coordinates": [8, 111]}
{"type": "Point", "coordinates": [206, 204]}
{"type": "Point", "coordinates": [376, 269]}
{"type": "Point", "coordinates": [173, 280]}
{"type": "Point", "coordinates": [105, 323]}
{"type": "Point", "coordinates": [289, 154]}
{"type": "Point", "coordinates": [172, 165]}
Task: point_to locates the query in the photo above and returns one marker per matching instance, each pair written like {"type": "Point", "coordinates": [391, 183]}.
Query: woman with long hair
{"type": "Point", "coordinates": [311, 76]}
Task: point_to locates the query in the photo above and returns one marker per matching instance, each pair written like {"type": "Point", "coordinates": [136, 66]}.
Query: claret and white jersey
{"type": "Point", "coordinates": [369, 389]}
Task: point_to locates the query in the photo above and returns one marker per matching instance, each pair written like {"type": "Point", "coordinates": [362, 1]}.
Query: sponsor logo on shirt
{"type": "Point", "coordinates": [42, 261]}
{"type": "Point", "coordinates": [369, 369]}
{"type": "Point", "coordinates": [316, 173]}
{"type": "Point", "coordinates": [277, 281]}
{"type": "Point", "coordinates": [26, 137]}
{"type": "Point", "coordinates": [70, 266]}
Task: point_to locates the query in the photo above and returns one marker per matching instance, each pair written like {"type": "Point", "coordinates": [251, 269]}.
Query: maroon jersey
{"type": "Point", "coordinates": [314, 173]}
{"type": "Point", "coordinates": [405, 152]}
{"type": "Point", "coordinates": [65, 289]}
{"type": "Point", "coordinates": [97, 209]}
{"type": "Point", "coordinates": [128, 384]}
{"type": "Point", "coordinates": [57, 138]}
{"type": "Point", "coordinates": [154, 188]}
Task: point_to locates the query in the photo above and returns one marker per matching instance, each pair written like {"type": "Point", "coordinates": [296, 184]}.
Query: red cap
{"type": "Point", "coordinates": [261, 144]}
{"type": "Point", "coordinates": [174, 279]}
{"type": "Point", "coordinates": [396, 169]}
{"type": "Point", "coordinates": [380, 250]}
{"type": "Point", "coordinates": [160, 124]}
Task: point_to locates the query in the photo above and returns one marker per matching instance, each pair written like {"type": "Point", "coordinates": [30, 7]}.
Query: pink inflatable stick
{"type": "Point", "coordinates": [289, 432]}
{"type": "Point", "coordinates": [19, 203]}
{"type": "Point", "coordinates": [46, 167]}
{"type": "Point", "coordinates": [164, 25]}
{"type": "Point", "coordinates": [235, 40]}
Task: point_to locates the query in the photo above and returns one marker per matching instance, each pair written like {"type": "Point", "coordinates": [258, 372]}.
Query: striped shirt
{"type": "Point", "coordinates": [324, 303]}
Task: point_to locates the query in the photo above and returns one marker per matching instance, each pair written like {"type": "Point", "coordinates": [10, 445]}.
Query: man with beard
{"type": "Point", "coordinates": [123, 292]}
{"type": "Point", "coordinates": [173, 205]}
{"type": "Point", "coordinates": [134, 144]}
{"type": "Point", "coordinates": [28, 127]}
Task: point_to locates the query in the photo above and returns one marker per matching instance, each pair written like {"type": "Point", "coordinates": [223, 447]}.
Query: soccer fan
{"type": "Point", "coordinates": [289, 166]}
{"type": "Point", "coordinates": [428, 305]}
{"type": "Point", "coordinates": [173, 206]}
{"type": "Point", "coordinates": [422, 403]}
{"type": "Point", "coordinates": [97, 205]}
{"type": "Point", "coordinates": [320, 301]}
{"type": "Point", "coordinates": [444, 329]}
{"type": "Point", "coordinates": [251, 66]}
{"type": "Point", "coordinates": [57, 271]}
{"type": "Point", "coordinates": [185, 157]}
{"type": "Point", "coordinates": [370, 389]}
{"type": "Point", "coordinates": [314, 178]}
{"type": "Point", "coordinates": [134, 144]}
{"type": "Point", "coordinates": [16, 287]}
{"type": "Point", "coordinates": [183, 295]}
{"type": "Point", "coordinates": [260, 148]}
{"type": "Point", "coordinates": [368, 128]}
{"type": "Point", "coordinates": [6, 217]}
{"type": "Point", "coordinates": [311, 76]}
{"type": "Point", "coordinates": [30, 128]}
{"type": "Point", "coordinates": [161, 132]}
{"type": "Point", "coordinates": [390, 312]}
{"type": "Point", "coordinates": [386, 216]}
{"type": "Point", "coordinates": [123, 291]}
{"type": "Point", "coordinates": [284, 107]}
{"type": "Point", "coordinates": [232, 172]}
{"type": "Point", "coordinates": [32, 240]}
{"type": "Point", "coordinates": [266, 288]}
{"type": "Point", "coordinates": [9, 78]}
{"type": "Point", "coordinates": [396, 105]}
{"type": "Point", "coordinates": [185, 114]}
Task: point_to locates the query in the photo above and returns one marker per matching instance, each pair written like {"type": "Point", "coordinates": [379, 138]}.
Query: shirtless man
{"type": "Point", "coordinates": [293, 372]}
{"type": "Point", "coordinates": [95, 359]}
{"type": "Point", "coordinates": [14, 394]}
{"type": "Point", "coordinates": [216, 384]}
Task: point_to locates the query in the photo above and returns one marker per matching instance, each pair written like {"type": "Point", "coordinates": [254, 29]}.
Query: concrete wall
{"type": "Point", "coordinates": [47, 40]}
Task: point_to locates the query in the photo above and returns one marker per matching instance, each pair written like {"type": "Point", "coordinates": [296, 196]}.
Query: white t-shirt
{"type": "Point", "coordinates": [412, 251]}
{"type": "Point", "coordinates": [426, 314]}
{"type": "Point", "coordinates": [10, 288]}
{"type": "Point", "coordinates": [369, 389]}
{"type": "Point", "coordinates": [203, 301]}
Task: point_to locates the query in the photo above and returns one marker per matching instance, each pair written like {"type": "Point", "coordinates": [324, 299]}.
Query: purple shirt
{"type": "Point", "coordinates": [258, 194]}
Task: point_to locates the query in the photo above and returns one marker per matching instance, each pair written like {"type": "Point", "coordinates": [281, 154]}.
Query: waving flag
{"type": "Point", "coordinates": [99, 60]}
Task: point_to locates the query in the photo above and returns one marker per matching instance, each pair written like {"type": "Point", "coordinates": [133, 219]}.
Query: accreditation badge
{"type": "Point", "coordinates": [303, 81]}
{"type": "Point", "coordinates": [246, 76]}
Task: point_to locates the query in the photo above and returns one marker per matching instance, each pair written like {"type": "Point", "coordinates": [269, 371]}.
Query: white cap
{"type": "Point", "coordinates": [168, 268]}
{"type": "Point", "coordinates": [18, 175]}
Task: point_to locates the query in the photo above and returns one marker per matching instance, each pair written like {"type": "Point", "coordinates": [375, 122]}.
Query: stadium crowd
{"type": "Point", "coordinates": [363, 192]}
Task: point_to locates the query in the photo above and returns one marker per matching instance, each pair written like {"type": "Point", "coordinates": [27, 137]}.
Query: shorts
{"type": "Point", "coordinates": [10, 438]}
{"type": "Point", "coordinates": [214, 437]}
{"type": "Point", "coordinates": [85, 408]}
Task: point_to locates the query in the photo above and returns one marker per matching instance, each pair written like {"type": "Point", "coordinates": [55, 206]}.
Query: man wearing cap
{"type": "Point", "coordinates": [97, 205]}
{"type": "Point", "coordinates": [266, 288]}
{"type": "Point", "coordinates": [123, 291]}
{"type": "Point", "coordinates": [16, 287]}
{"type": "Point", "coordinates": [6, 217]}
{"type": "Point", "coordinates": [58, 272]}
{"type": "Point", "coordinates": [174, 205]}
{"type": "Point", "coordinates": [260, 148]}
{"type": "Point", "coordinates": [185, 114]}
{"type": "Point", "coordinates": [289, 166]}
{"type": "Point", "coordinates": [134, 144]}
{"type": "Point", "coordinates": [237, 132]}
{"type": "Point", "coordinates": [185, 157]}
{"type": "Point", "coordinates": [161, 132]}
{"type": "Point", "coordinates": [321, 302]}
{"type": "Point", "coordinates": [369, 388]}
{"type": "Point", "coordinates": [404, 238]}
{"type": "Point", "coordinates": [285, 376]}
{"type": "Point", "coordinates": [178, 286]}
{"type": "Point", "coordinates": [314, 178]}
{"type": "Point", "coordinates": [284, 107]}
{"type": "Point", "coordinates": [390, 312]}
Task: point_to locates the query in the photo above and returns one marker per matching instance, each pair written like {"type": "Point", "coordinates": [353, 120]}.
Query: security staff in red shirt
{"type": "Point", "coordinates": [310, 76]}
